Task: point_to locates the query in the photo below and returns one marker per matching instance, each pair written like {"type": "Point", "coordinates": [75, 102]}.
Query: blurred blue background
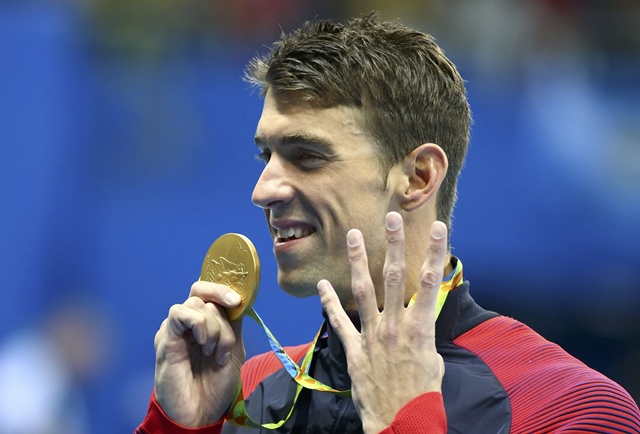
{"type": "Point", "coordinates": [126, 148]}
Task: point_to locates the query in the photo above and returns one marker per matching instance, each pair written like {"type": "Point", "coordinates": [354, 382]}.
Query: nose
{"type": "Point", "coordinates": [274, 186]}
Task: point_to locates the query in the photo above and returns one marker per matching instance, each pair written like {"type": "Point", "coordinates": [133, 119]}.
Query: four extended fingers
{"type": "Point", "coordinates": [394, 271]}
{"type": "Point", "coordinates": [394, 276]}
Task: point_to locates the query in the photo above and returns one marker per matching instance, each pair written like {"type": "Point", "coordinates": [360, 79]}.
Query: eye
{"type": "Point", "coordinates": [264, 155]}
{"type": "Point", "coordinates": [309, 160]}
{"type": "Point", "coordinates": [305, 156]}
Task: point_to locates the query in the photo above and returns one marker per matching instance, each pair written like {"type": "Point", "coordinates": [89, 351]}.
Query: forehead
{"type": "Point", "coordinates": [288, 115]}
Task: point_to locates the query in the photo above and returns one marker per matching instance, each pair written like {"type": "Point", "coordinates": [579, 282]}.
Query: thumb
{"type": "Point", "coordinates": [338, 318]}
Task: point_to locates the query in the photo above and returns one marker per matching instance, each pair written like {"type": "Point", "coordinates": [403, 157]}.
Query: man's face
{"type": "Point", "coordinates": [321, 179]}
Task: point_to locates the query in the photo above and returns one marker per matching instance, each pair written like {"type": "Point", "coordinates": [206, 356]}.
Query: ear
{"type": "Point", "coordinates": [424, 170]}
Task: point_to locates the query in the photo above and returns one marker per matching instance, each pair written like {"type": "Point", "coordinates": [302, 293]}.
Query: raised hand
{"type": "Point", "coordinates": [393, 358]}
{"type": "Point", "coordinates": [198, 356]}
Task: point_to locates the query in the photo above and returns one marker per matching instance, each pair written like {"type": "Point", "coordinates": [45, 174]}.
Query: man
{"type": "Point", "coordinates": [364, 130]}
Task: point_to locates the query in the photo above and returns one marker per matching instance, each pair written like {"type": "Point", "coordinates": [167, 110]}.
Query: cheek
{"type": "Point", "coordinates": [354, 202]}
{"type": "Point", "coordinates": [360, 191]}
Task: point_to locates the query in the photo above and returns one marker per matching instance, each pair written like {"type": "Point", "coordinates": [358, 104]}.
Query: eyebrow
{"type": "Point", "coordinates": [298, 139]}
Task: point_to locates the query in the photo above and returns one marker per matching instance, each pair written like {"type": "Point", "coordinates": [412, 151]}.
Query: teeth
{"type": "Point", "coordinates": [297, 232]}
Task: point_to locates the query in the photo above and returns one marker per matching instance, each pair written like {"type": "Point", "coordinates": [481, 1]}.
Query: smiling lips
{"type": "Point", "coordinates": [294, 232]}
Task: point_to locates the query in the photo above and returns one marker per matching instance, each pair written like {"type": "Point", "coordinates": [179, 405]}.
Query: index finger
{"type": "Point", "coordinates": [431, 273]}
{"type": "Point", "coordinates": [159, 333]}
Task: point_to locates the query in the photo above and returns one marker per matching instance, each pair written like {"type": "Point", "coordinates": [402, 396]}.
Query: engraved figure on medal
{"type": "Point", "coordinates": [228, 272]}
{"type": "Point", "coordinates": [232, 260]}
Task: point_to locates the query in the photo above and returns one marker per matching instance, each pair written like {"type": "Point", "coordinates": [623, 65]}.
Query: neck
{"type": "Point", "coordinates": [448, 268]}
{"type": "Point", "coordinates": [352, 311]}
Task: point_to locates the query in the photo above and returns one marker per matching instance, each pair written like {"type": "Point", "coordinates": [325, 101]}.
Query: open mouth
{"type": "Point", "coordinates": [294, 233]}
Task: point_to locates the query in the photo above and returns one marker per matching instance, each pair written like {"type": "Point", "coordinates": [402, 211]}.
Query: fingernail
{"type": "Point", "coordinates": [393, 221]}
{"type": "Point", "coordinates": [323, 286]}
{"type": "Point", "coordinates": [224, 358]}
{"type": "Point", "coordinates": [354, 237]}
{"type": "Point", "coordinates": [438, 230]}
{"type": "Point", "coordinates": [232, 298]}
{"type": "Point", "coordinates": [208, 350]}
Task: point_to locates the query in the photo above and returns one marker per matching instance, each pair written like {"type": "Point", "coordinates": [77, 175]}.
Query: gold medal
{"type": "Point", "coordinates": [232, 260]}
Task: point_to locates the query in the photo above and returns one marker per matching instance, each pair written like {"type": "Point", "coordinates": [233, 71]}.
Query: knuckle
{"type": "Point", "coordinates": [225, 340]}
{"type": "Point", "coordinates": [417, 331]}
{"type": "Point", "coordinates": [360, 292]}
{"type": "Point", "coordinates": [199, 321]}
{"type": "Point", "coordinates": [194, 302]}
{"type": "Point", "coordinates": [430, 279]}
{"type": "Point", "coordinates": [390, 335]}
{"type": "Point", "coordinates": [435, 249]}
{"type": "Point", "coordinates": [157, 338]}
{"type": "Point", "coordinates": [335, 322]}
{"type": "Point", "coordinates": [175, 310]}
{"type": "Point", "coordinates": [394, 238]}
{"type": "Point", "coordinates": [196, 288]}
{"type": "Point", "coordinates": [356, 255]}
{"type": "Point", "coordinates": [394, 274]}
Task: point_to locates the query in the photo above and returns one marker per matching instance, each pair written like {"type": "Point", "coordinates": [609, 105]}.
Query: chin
{"type": "Point", "coordinates": [300, 288]}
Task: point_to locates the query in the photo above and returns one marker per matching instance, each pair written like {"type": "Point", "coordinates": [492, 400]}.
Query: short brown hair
{"type": "Point", "coordinates": [409, 92]}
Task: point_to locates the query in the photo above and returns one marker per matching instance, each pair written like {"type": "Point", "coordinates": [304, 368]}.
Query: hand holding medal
{"type": "Point", "coordinates": [199, 351]}
{"type": "Point", "coordinates": [232, 260]}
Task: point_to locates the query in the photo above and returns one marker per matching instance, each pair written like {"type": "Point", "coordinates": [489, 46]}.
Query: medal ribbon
{"type": "Point", "coordinates": [237, 413]}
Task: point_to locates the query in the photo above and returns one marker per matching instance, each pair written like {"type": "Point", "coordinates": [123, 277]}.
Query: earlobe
{"type": "Point", "coordinates": [424, 169]}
